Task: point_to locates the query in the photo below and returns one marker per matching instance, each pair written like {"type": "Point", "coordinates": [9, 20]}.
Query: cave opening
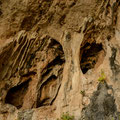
{"type": "Point", "coordinates": [90, 53]}
{"type": "Point", "coordinates": [47, 86]}
{"type": "Point", "coordinates": [15, 95]}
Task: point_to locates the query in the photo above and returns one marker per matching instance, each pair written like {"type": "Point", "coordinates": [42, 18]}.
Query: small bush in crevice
{"type": "Point", "coordinates": [82, 92]}
{"type": "Point", "coordinates": [102, 77]}
{"type": "Point", "coordinates": [66, 116]}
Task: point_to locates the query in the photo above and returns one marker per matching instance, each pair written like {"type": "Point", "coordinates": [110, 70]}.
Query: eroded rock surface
{"type": "Point", "coordinates": [102, 105]}
{"type": "Point", "coordinates": [59, 56]}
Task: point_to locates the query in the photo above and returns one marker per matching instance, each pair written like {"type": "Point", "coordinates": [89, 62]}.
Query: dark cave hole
{"type": "Point", "coordinates": [15, 95]}
{"type": "Point", "coordinates": [49, 84]}
{"type": "Point", "coordinates": [89, 55]}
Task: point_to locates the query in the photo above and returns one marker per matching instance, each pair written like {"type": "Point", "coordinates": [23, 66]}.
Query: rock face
{"type": "Point", "coordinates": [59, 56]}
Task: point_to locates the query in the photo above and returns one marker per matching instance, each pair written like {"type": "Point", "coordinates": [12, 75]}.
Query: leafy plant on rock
{"type": "Point", "coordinates": [102, 77]}
{"type": "Point", "coordinates": [66, 116]}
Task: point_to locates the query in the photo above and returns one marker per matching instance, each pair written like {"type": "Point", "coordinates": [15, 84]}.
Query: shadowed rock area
{"type": "Point", "coordinates": [16, 94]}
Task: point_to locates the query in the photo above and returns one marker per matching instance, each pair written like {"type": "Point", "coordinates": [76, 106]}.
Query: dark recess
{"type": "Point", "coordinates": [89, 54]}
{"type": "Point", "coordinates": [15, 95]}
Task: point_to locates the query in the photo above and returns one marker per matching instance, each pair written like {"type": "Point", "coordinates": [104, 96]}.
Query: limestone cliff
{"type": "Point", "coordinates": [59, 56]}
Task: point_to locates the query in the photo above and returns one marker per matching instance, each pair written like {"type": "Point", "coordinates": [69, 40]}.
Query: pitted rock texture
{"type": "Point", "coordinates": [53, 54]}
{"type": "Point", "coordinates": [102, 106]}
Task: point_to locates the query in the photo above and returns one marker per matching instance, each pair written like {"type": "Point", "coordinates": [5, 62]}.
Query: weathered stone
{"type": "Point", "coordinates": [59, 56]}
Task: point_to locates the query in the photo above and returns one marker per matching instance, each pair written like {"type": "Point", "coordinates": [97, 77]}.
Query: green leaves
{"type": "Point", "coordinates": [102, 77]}
{"type": "Point", "coordinates": [66, 116]}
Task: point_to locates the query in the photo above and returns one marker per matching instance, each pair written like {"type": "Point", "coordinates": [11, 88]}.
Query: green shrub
{"type": "Point", "coordinates": [102, 77]}
{"type": "Point", "coordinates": [66, 116]}
{"type": "Point", "coordinates": [82, 92]}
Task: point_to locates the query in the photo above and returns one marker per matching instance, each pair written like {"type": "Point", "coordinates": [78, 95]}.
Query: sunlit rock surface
{"type": "Point", "coordinates": [59, 56]}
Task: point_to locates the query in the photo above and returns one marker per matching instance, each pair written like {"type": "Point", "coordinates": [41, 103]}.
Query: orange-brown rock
{"type": "Point", "coordinates": [59, 56]}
